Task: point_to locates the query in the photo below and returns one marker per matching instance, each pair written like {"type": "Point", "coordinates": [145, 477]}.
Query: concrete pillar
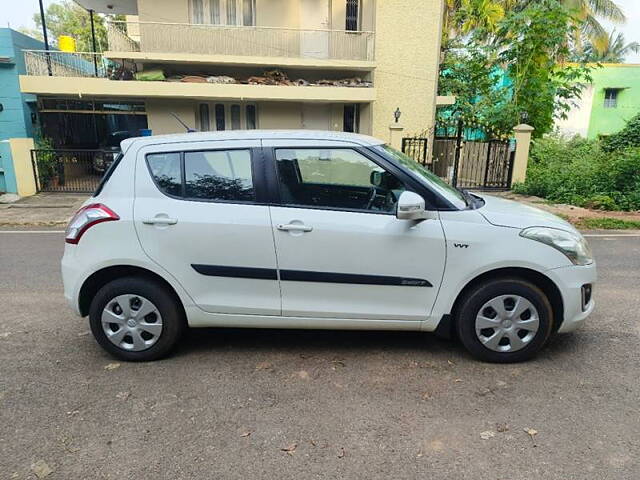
{"type": "Point", "coordinates": [22, 167]}
{"type": "Point", "coordinates": [395, 135]}
{"type": "Point", "coordinates": [523, 141]}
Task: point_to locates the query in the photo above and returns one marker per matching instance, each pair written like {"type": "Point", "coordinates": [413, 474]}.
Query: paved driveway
{"type": "Point", "coordinates": [287, 404]}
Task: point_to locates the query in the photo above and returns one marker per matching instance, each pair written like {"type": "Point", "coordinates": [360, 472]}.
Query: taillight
{"type": "Point", "coordinates": [86, 217]}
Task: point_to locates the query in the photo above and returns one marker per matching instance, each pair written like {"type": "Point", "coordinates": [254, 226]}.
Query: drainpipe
{"type": "Point", "coordinates": [44, 35]}
{"type": "Point", "coordinates": [93, 43]}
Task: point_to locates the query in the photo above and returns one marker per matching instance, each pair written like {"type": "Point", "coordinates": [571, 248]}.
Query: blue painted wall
{"type": "Point", "coordinates": [15, 118]}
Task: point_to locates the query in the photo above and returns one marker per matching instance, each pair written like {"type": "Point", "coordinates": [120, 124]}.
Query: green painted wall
{"type": "Point", "coordinates": [604, 121]}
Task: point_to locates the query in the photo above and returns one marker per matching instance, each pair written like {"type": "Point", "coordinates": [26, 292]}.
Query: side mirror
{"type": "Point", "coordinates": [376, 178]}
{"type": "Point", "coordinates": [411, 207]}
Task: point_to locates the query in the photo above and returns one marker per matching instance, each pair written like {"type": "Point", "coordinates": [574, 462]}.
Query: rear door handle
{"type": "Point", "coordinates": [294, 227]}
{"type": "Point", "coordinates": [160, 221]}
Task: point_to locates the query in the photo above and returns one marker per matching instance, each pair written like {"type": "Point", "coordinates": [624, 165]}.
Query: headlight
{"type": "Point", "coordinates": [573, 245]}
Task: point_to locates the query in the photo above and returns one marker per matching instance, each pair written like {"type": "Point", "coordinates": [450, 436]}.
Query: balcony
{"type": "Point", "coordinates": [63, 64]}
{"type": "Point", "coordinates": [95, 76]}
{"type": "Point", "coordinates": [242, 45]}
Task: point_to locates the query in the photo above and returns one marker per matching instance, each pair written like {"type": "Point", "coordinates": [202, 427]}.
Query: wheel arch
{"type": "Point", "coordinates": [101, 277]}
{"type": "Point", "coordinates": [540, 280]}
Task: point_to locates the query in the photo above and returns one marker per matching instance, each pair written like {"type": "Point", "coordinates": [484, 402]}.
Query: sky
{"type": "Point", "coordinates": [20, 13]}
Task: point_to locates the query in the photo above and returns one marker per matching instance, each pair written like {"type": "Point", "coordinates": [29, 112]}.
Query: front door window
{"type": "Point", "coordinates": [339, 178]}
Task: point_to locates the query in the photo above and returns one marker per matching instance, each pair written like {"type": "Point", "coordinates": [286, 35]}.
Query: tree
{"type": "Point", "coordinates": [461, 16]}
{"type": "Point", "coordinates": [67, 18]}
{"type": "Point", "coordinates": [517, 73]}
{"type": "Point", "coordinates": [615, 50]}
{"type": "Point", "coordinates": [479, 14]}
{"type": "Point", "coordinates": [588, 13]}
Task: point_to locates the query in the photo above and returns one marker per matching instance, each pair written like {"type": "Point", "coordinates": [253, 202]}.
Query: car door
{"type": "Point", "coordinates": [198, 214]}
{"type": "Point", "coordinates": [341, 251]}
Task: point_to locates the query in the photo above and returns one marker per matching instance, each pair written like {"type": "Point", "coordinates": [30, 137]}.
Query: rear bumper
{"type": "Point", "coordinates": [71, 277]}
{"type": "Point", "coordinates": [570, 281]}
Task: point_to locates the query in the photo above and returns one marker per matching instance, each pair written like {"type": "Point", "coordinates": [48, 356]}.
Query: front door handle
{"type": "Point", "coordinates": [294, 227]}
{"type": "Point", "coordinates": [160, 221]}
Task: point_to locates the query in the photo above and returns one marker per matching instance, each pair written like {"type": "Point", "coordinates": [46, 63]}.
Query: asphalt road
{"type": "Point", "coordinates": [345, 404]}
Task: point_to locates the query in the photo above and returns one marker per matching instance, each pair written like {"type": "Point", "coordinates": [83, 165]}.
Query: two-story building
{"type": "Point", "coordinates": [344, 65]}
{"type": "Point", "coordinates": [607, 102]}
{"type": "Point", "coordinates": [17, 110]}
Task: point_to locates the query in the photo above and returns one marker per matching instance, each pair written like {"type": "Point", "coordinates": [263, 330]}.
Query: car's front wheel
{"type": "Point", "coordinates": [505, 320]}
{"type": "Point", "coordinates": [136, 319]}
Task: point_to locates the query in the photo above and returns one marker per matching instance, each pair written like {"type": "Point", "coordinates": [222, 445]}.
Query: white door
{"type": "Point", "coordinates": [316, 116]}
{"type": "Point", "coordinates": [341, 251]}
{"type": "Point", "coordinates": [204, 226]}
{"type": "Point", "coordinates": [314, 23]}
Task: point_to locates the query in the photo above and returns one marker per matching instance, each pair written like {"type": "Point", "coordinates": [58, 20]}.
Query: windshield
{"type": "Point", "coordinates": [435, 182]}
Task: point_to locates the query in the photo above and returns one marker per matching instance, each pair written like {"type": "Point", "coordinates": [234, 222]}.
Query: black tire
{"type": "Point", "coordinates": [480, 295]}
{"type": "Point", "coordinates": [173, 321]}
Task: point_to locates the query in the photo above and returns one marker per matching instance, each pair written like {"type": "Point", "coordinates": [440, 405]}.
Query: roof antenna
{"type": "Point", "coordinates": [189, 129]}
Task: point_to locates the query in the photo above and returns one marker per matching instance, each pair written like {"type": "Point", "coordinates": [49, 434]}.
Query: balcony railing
{"type": "Point", "coordinates": [156, 37]}
{"type": "Point", "coordinates": [64, 64]}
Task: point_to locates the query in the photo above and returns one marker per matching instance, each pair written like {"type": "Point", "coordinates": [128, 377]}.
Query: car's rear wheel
{"type": "Point", "coordinates": [136, 319]}
{"type": "Point", "coordinates": [505, 320]}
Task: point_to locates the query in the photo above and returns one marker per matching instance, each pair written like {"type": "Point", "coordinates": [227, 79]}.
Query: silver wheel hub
{"type": "Point", "coordinates": [131, 322]}
{"type": "Point", "coordinates": [507, 323]}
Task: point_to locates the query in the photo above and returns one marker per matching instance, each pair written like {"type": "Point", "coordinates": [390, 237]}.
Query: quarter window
{"type": "Point", "coordinates": [219, 175]}
{"type": "Point", "coordinates": [336, 178]}
{"type": "Point", "coordinates": [165, 169]}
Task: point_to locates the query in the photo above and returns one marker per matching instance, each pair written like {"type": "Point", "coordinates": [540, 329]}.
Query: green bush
{"type": "Point", "coordinates": [629, 136]}
{"type": "Point", "coordinates": [579, 172]}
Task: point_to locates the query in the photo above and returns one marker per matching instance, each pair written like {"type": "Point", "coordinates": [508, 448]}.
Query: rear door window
{"type": "Point", "coordinates": [219, 175]}
{"type": "Point", "coordinates": [223, 175]}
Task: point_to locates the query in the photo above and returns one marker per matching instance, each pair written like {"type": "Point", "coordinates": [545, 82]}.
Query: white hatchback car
{"type": "Point", "coordinates": [303, 229]}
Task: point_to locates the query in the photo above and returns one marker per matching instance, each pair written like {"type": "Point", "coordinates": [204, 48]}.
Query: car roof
{"type": "Point", "coordinates": [363, 140]}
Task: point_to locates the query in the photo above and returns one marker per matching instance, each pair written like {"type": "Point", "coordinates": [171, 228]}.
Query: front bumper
{"type": "Point", "coordinates": [570, 281]}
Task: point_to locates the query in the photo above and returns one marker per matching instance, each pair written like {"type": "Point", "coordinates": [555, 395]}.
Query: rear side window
{"type": "Point", "coordinates": [165, 169]}
{"type": "Point", "coordinates": [224, 175]}
{"type": "Point", "coordinates": [219, 175]}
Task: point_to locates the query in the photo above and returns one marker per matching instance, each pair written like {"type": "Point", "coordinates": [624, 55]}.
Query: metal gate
{"type": "Point", "coordinates": [466, 157]}
{"type": "Point", "coordinates": [69, 171]}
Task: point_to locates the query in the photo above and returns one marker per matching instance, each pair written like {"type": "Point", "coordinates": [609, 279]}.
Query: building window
{"type": "Point", "coordinates": [235, 117]}
{"type": "Point", "coordinates": [197, 11]}
{"type": "Point", "coordinates": [204, 117]}
{"type": "Point", "coordinates": [231, 12]}
{"type": "Point", "coordinates": [351, 118]}
{"type": "Point", "coordinates": [227, 116]}
{"type": "Point", "coordinates": [249, 12]}
{"type": "Point", "coordinates": [611, 97]}
{"type": "Point", "coordinates": [214, 11]}
{"type": "Point", "coordinates": [220, 123]}
{"type": "Point", "coordinates": [251, 117]}
{"type": "Point", "coordinates": [223, 12]}
{"type": "Point", "coordinates": [353, 13]}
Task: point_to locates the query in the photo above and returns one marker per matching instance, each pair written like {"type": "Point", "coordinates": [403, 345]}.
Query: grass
{"type": "Point", "coordinates": [607, 223]}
